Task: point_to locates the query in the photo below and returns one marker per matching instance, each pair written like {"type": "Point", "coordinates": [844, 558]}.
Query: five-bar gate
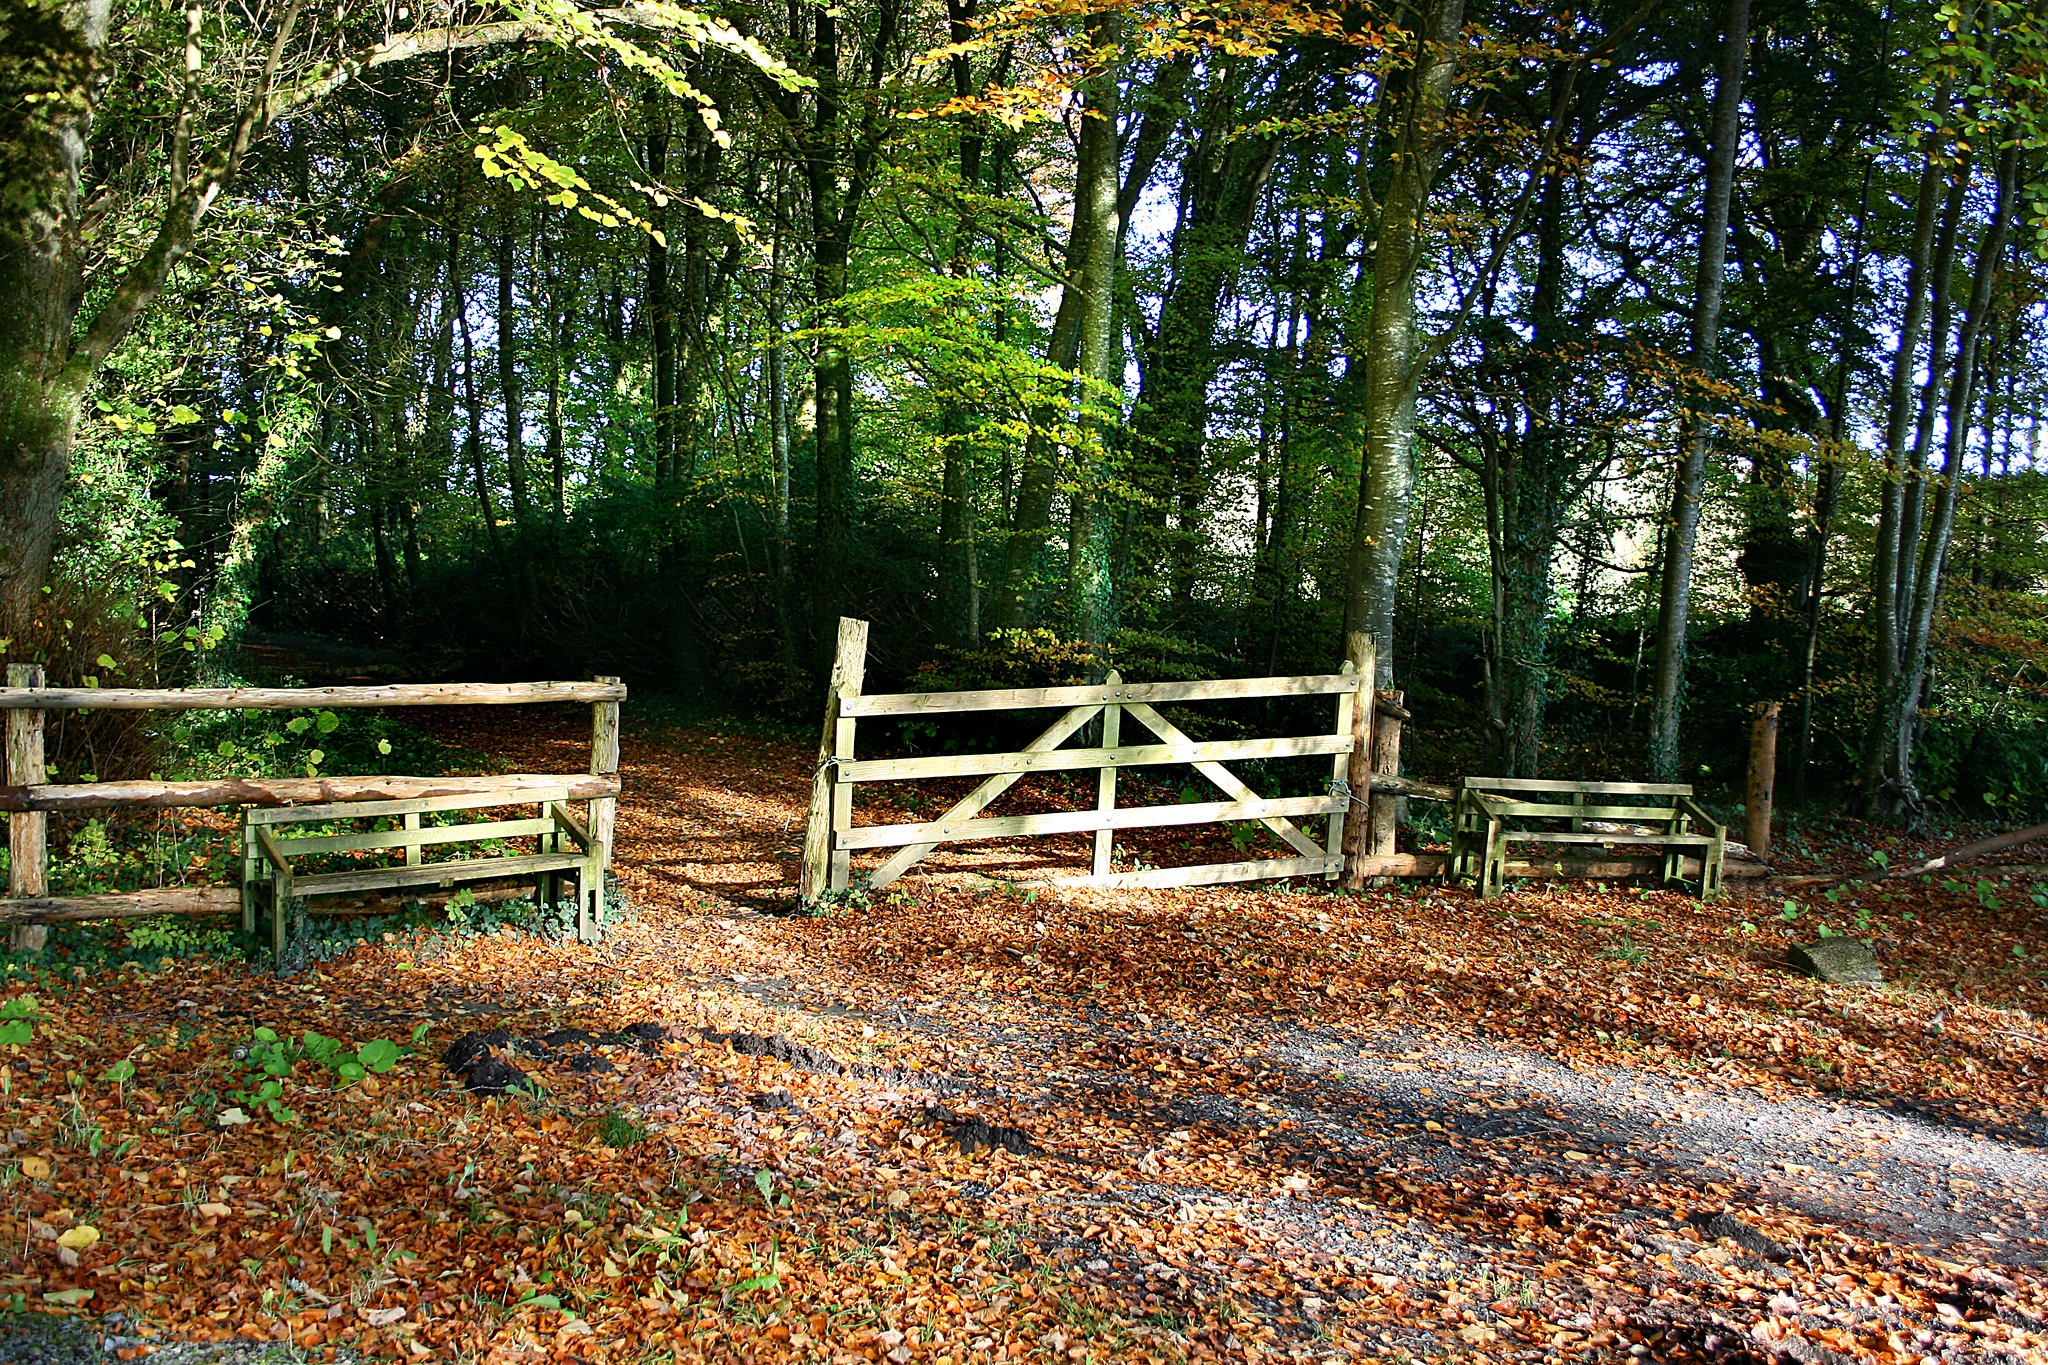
{"type": "Point", "coordinates": [831, 837]}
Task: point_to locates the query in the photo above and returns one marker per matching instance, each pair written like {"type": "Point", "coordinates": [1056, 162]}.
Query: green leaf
{"type": "Point", "coordinates": [298, 725]}
{"type": "Point", "coordinates": [329, 722]}
{"type": "Point", "coordinates": [1790, 912]}
{"type": "Point", "coordinates": [379, 1054]}
{"type": "Point", "coordinates": [749, 1285]}
{"type": "Point", "coordinates": [533, 1300]}
{"type": "Point", "coordinates": [123, 1070]}
{"type": "Point", "coordinates": [383, 746]}
{"type": "Point", "coordinates": [16, 1032]}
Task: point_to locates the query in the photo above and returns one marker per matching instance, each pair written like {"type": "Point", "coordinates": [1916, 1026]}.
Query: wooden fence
{"type": "Point", "coordinates": [28, 796]}
{"type": "Point", "coordinates": [1362, 772]}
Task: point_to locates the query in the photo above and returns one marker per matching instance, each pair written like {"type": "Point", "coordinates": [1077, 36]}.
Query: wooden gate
{"type": "Point", "coordinates": [831, 837]}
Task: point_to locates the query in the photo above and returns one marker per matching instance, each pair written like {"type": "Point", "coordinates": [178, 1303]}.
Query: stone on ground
{"type": "Point", "coordinates": [1844, 961]}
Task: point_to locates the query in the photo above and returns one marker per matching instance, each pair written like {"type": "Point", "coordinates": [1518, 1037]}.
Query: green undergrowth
{"type": "Point", "coordinates": [160, 941]}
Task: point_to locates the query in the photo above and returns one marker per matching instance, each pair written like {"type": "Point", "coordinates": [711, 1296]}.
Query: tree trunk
{"type": "Point", "coordinates": [1675, 585]}
{"type": "Point", "coordinates": [1913, 508]}
{"type": "Point", "coordinates": [1884, 569]}
{"type": "Point", "coordinates": [1387, 471]}
{"type": "Point", "coordinates": [1889, 783]}
{"type": "Point", "coordinates": [1032, 517]}
{"type": "Point", "coordinates": [1222, 178]}
{"type": "Point", "coordinates": [48, 69]}
{"type": "Point", "coordinates": [1089, 585]}
{"type": "Point", "coordinates": [473, 442]}
{"type": "Point", "coordinates": [660, 312]}
{"type": "Point", "coordinates": [557, 324]}
{"type": "Point", "coordinates": [779, 442]}
{"type": "Point", "coordinates": [959, 578]}
{"type": "Point", "coordinates": [509, 385]}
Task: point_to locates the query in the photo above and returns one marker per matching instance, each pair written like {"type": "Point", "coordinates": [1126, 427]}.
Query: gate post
{"type": "Point", "coordinates": [823, 865]}
{"type": "Point", "coordinates": [1362, 652]}
{"type": "Point", "coordinates": [1763, 776]}
{"type": "Point", "coordinates": [604, 760]}
{"type": "Point", "coordinates": [28, 831]}
{"type": "Point", "coordinates": [1388, 712]}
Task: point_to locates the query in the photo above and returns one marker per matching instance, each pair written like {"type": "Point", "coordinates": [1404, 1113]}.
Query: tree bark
{"type": "Point", "coordinates": [1387, 471]}
{"type": "Point", "coordinates": [473, 441]}
{"type": "Point", "coordinates": [1675, 584]}
{"type": "Point", "coordinates": [1888, 762]}
{"type": "Point", "coordinates": [49, 61]}
{"type": "Point", "coordinates": [959, 577]}
{"type": "Point", "coordinates": [660, 306]}
{"type": "Point", "coordinates": [1089, 586]}
{"type": "Point", "coordinates": [510, 387]}
{"type": "Point", "coordinates": [1031, 516]}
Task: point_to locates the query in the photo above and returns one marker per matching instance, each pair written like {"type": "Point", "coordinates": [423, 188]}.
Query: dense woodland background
{"type": "Point", "coordinates": [1620, 367]}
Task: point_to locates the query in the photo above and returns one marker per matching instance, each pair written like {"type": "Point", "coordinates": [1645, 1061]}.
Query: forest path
{"type": "Point", "coordinates": [1485, 1111]}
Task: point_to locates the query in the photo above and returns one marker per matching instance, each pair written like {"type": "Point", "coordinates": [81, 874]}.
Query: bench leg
{"type": "Point", "coordinates": [1710, 869]}
{"type": "Point", "coordinates": [252, 871]}
{"type": "Point", "coordinates": [280, 911]}
{"type": "Point", "coordinates": [1493, 862]}
{"type": "Point", "coordinates": [589, 900]}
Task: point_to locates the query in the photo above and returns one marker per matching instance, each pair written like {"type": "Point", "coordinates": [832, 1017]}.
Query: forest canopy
{"type": "Point", "coordinates": [1618, 367]}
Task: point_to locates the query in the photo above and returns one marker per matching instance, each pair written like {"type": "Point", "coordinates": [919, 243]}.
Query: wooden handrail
{"type": "Point", "coordinates": [302, 791]}
{"type": "Point", "coordinates": [303, 698]}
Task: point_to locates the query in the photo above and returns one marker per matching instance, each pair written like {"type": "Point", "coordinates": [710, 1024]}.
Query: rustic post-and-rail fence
{"type": "Point", "coordinates": [1363, 744]}
{"type": "Point", "coordinates": [569, 846]}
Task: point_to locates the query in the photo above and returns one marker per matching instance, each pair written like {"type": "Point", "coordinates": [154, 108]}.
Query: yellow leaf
{"type": "Point", "coordinates": [80, 1237]}
{"type": "Point", "coordinates": [35, 1168]}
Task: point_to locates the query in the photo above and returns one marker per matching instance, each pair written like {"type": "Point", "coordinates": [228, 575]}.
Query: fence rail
{"type": "Point", "coordinates": [831, 837]}
{"type": "Point", "coordinates": [20, 698]}
{"type": "Point", "coordinates": [1038, 698]}
{"type": "Point", "coordinates": [296, 791]}
{"type": "Point", "coordinates": [28, 797]}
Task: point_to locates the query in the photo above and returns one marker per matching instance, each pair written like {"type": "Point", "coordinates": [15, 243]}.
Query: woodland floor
{"type": "Point", "coordinates": [1584, 1121]}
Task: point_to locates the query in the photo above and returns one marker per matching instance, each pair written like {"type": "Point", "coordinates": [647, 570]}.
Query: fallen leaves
{"type": "Point", "coordinates": [976, 1123]}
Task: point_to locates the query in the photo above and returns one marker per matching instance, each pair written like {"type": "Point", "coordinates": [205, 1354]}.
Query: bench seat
{"type": "Point", "coordinates": [565, 850]}
{"type": "Point", "coordinates": [1486, 805]}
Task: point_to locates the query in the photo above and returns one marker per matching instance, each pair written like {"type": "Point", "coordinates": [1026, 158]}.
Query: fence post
{"type": "Point", "coordinates": [1388, 709]}
{"type": "Point", "coordinates": [604, 761]}
{"type": "Point", "coordinates": [28, 867]}
{"type": "Point", "coordinates": [1763, 775]}
{"type": "Point", "coordinates": [1340, 777]}
{"type": "Point", "coordinates": [1362, 652]}
{"type": "Point", "coordinates": [1105, 778]}
{"type": "Point", "coordinates": [822, 863]}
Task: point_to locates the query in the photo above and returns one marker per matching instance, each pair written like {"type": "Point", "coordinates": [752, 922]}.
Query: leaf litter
{"type": "Point", "coordinates": [977, 1120]}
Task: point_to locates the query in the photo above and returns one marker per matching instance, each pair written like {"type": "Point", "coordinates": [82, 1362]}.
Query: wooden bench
{"type": "Point", "coordinates": [1494, 812]}
{"type": "Point", "coordinates": [565, 846]}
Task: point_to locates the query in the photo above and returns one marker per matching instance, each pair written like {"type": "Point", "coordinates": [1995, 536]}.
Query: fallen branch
{"type": "Point", "coordinates": [1971, 852]}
